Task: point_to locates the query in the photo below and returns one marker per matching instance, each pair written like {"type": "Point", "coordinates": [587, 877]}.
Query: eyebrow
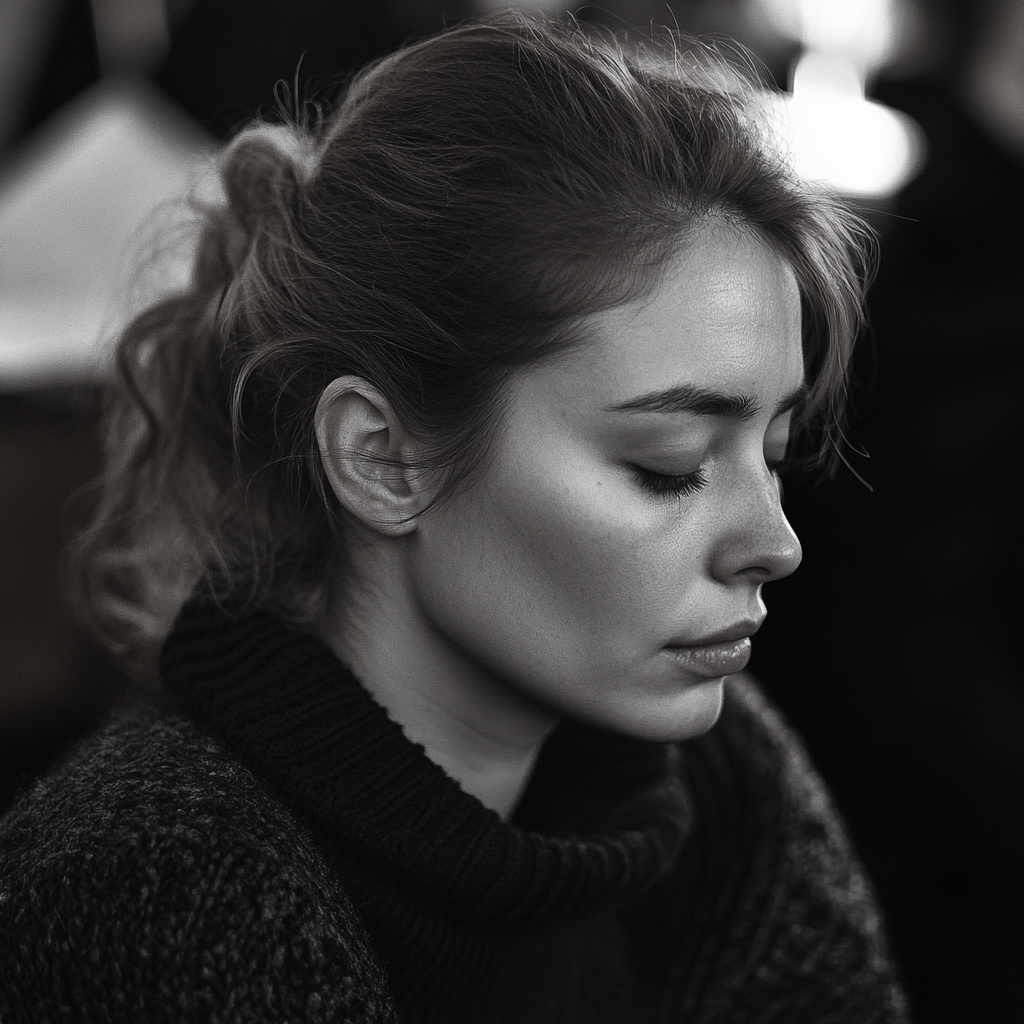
{"type": "Point", "coordinates": [706, 402]}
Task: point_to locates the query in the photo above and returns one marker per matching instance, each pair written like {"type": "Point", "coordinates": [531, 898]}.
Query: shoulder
{"type": "Point", "coordinates": [806, 933]}
{"type": "Point", "coordinates": [154, 873]}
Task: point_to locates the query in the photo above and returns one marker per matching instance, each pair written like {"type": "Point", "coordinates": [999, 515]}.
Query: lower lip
{"type": "Point", "coordinates": [713, 660]}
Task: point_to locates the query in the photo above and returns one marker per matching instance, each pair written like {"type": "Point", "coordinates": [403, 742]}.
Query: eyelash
{"type": "Point", "coordinates": [662, 486]}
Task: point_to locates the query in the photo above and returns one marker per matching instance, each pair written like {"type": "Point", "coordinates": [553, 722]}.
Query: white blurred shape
{"type": "Point", "coordinates": [818, 73]}
{"type": "Point", "coordinates": [828, 130]}
{"type": "Point", "coordinates": [834, 136]}
{"type": "Point", "coordinates": [865, 30]}
{"type": "Point", "coordinates": [72, 220]}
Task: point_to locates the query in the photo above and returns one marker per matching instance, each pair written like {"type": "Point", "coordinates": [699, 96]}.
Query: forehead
{"type": "Point", "coordinates": [725, 315]}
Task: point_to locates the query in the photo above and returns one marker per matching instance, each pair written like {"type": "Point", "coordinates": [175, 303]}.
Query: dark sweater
{"type": "Point", "coordinates": [267, 845]}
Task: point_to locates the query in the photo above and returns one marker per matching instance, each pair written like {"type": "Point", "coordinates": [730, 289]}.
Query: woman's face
{"type": "Point", "coordinates": [608, 562]}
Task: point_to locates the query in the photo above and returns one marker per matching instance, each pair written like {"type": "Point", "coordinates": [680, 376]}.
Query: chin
{"type": "Point", "coordinates": [690, 713]}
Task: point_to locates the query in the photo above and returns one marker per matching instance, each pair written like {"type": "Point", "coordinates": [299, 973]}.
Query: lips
{"type": "Point", "coordinates": [711, 661]}
{"type": "Point", "coordinates": [737, 631]}
{"type": "Point", "coordinates": [717, 654]}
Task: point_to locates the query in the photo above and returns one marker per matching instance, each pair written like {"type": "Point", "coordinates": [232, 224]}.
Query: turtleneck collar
{"type": "Point", "coordinates": [602, 820]}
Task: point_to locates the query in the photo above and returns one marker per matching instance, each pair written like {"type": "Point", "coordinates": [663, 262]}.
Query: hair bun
{"type": "Point", "coordinates": [262, 172]}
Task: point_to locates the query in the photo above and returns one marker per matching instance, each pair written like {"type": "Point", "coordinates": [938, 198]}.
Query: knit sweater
{"type": "Point", "coordinates": [264, 844]}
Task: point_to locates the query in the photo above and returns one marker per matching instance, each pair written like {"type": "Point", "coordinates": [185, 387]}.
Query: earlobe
{"type": "Point", "coordinates": [366, 456]}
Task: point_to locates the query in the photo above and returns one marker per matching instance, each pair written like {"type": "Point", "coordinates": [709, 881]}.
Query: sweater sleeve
{"type": "Point", "coordinates": [153, 879]}
{"type": "Point", "coordinates": [794, 934]}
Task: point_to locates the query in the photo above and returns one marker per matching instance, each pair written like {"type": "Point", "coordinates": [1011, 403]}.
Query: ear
{"type": "Point", "coordinates": [365, 454]}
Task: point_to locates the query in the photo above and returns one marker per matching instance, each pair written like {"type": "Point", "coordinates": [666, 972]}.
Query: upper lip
{"type": "Point", "coordinates": [737, 631]}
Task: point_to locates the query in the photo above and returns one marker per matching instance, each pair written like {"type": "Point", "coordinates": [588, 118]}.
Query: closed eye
{"type": "Point", "coordinates": [662, 485]}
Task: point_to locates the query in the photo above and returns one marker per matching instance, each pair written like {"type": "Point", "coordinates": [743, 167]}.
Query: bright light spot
{"type": "Point", "coordinates": [864, 30]}
{"type": "Point", "coordinates": [817, 72]}
{"type": "Point", "coordinates": [832, 135]}
{"type": "Point", "coordinates": [827, 129]}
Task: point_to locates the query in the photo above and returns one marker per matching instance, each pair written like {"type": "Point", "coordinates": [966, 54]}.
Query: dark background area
{"type": "Point", "coordinates": [893, 650]}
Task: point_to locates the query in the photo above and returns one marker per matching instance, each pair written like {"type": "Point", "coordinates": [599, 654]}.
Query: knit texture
{"type": "Point", "coordinates": [272, 848]}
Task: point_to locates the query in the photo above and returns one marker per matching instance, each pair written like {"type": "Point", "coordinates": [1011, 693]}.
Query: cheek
{"type": "Point", "coordinates": [559, 556]}
{"type": "Point", "coordinates": [572, 542]}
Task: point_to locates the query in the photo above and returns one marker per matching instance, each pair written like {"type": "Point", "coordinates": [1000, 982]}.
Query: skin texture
{"type": "Point", "coordinates": [565, 579]}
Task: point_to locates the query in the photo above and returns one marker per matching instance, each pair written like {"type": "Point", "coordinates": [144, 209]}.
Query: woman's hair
{"type": "Point", "coordinates": [467, 204]}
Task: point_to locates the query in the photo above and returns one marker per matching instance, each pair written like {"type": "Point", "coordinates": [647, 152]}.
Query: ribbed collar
{"type": "Point", "coordinates": [295, 715]}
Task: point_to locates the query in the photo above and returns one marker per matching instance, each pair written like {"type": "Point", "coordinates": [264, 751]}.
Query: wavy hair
{"type": "Point", "coordinates": [467, 203]}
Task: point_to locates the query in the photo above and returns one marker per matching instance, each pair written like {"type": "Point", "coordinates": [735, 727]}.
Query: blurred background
{"type": "Point", "coordinates": [891, 650]}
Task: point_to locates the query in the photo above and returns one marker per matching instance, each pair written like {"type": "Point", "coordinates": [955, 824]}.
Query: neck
{"type": "Point", "coordinates": [482, 732]}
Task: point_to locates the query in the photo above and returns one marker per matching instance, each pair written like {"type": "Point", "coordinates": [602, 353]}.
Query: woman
{"type": "Point", "coordinates": [464, 443]}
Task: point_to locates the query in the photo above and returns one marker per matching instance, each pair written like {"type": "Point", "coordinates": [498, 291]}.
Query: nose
{"type": "Point", "coordinates": [757, 544]}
